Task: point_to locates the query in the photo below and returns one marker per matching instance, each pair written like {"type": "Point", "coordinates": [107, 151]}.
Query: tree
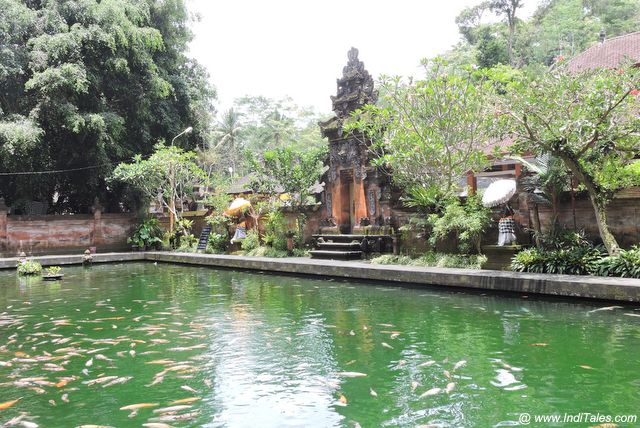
{"type": "Point", "coordinates": [269, 124]}
{"type": "Point", "coordinates": [588, 120]}
{"type": "Point", "coordinates": [469, 20]}
{"type": "Point", "coordinates": [492, 49]}
{"type": "Point", "coordinates": [227, 140]}
{"type": "Point", "coordinates": [87, 83]}
{"type": "Point", "coordinates": [507, 8]}
{"type": "Point", "coordinates": [169, 174]}
{"type": "Point", "coordinates": [428, 134]}
{"type": "Point", "coordinates": [286, 170]}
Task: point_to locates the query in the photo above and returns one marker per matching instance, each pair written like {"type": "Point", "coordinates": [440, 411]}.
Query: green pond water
{"type": "Point", "coordinates": [258, 350]}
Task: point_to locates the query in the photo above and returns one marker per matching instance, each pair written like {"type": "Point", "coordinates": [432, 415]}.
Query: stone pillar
{"type": "Point", "coordinates": [4, 237]}
{"type": "Point", "coordinates": [96, 236]}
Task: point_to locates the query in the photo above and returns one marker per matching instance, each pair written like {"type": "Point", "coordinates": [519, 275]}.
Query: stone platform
{"type": "Point", "coordinates": [571, 286]}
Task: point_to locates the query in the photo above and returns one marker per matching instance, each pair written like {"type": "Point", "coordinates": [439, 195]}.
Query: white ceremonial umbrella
{"type": "Point", "coordinates": [499, 192]}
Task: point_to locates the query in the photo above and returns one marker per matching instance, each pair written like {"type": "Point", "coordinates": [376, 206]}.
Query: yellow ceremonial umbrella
{"type": "Point", "coordinates": [237, 206]}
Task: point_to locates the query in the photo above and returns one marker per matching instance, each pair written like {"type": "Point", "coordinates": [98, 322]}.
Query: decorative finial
{"type": "Point", "coordinates": [352, 55]}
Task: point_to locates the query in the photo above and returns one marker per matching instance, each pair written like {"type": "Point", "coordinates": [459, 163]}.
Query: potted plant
{"type": "Point", "coordinates": [53, 273]}
{"type": "Point", "coordinates": [29, 267]}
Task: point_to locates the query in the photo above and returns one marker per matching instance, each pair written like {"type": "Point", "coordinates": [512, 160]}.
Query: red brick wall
{"type": "Point", "coordinates": [64, 233]}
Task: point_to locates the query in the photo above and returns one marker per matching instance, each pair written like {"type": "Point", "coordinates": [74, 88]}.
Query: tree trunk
{"type": "Point", "coordinates": [599, 206]}
{"type": "Point", "coordinates": [512, 31]}
{"type": "Point", "coordinates": [536, 225]}
{"type": "Point", "coordinates": [601, 218]}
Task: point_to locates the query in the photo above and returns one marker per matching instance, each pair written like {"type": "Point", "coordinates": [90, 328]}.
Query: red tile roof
{"type": "Point", "coordinates": [610, 53]}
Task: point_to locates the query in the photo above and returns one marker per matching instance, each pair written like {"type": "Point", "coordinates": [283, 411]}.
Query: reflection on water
{"type": "Point", "coordinates": [192, 346]}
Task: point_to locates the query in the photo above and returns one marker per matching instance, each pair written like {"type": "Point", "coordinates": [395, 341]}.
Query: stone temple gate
{"type": "Point", "coordinates": [357, 195]}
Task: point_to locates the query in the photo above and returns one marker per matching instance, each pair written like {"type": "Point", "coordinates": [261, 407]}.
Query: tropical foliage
{"type": "Point", "coordinates": [466, 221]}
{"type": "Point", "coordinates": [430, 133]}
{"type": "Point", "coordinates": [168, 175]}
{"type": "Point", "coordinates": [289, 171]}
{"type": "Point", "coordinates": [580, 260]}
{"type": "Point", "coordinates": [85, 84]}
{"type": "Point", "coordinates": [146, 234]}
{"type": "Point", "coordinates": [558, 28]}
{"type": "Point", "coordinates": [588, 120]}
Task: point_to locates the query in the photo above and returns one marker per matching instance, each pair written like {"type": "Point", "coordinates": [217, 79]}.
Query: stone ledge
{"type": "Point", "coordinates": [587, 287]}
{"type": "Point", "coordinates": [75, 259]}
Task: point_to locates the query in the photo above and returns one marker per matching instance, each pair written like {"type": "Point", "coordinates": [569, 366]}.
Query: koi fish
{"type": "Point", "coordinates": [459, 364]}
{"type": "Point", "coordinates": [118, 381]}
{"type": "Point", "coordinates": [186, 400]}
{"type": "Point", "coordinates": [8, 404]}
{"type": "Point", "coordinates": [172, 409]}
{"type": "Point", "coordinates": [138, 406]}
{"type": "Point", "coordinates": [432, 391]}
{"type": "Point", "coordinates": [351, 374]}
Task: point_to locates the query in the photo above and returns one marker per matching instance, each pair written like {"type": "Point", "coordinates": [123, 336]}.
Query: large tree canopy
{"type": "Point", "coordinates": [589, 121]}
{"type": "Point", "coordinates": [85, 84]}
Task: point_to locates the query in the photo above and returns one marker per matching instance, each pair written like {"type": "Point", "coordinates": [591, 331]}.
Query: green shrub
{"type": "Point", "coordinates": [391, 259]}
{"type": "Point", "coordinates": [217, 244]}
{"type": "Point", "coordinates": [585, 260]}
{"type": "Point", "coordinates": [265, 251]}
{"type": "Point", "coordinates": [431, 259]}
{"type": "Point", "coordinates": [275, 230]}
{"type": "Point", "coordinates": [468, 221]}
{"type": "Point", "coordinates": [29, 267]}
{"type": "Point", "coordinates": [626, 264]}
{"type": "Point", "coordinates": [529, 260]}
{"type": "Point", "coordinates": [252, 241]}
{"type": "Point", "coordinates": [188, 244]}
{"type": "Point", "coordinates": [146, 233]}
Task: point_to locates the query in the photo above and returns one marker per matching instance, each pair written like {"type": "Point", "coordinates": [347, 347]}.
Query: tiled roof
{"type": "Point", "coordinates": [610, 53]}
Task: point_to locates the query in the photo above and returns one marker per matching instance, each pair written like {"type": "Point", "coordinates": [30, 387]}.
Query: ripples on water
{"type": "Point", "coordinates": [222, 348]}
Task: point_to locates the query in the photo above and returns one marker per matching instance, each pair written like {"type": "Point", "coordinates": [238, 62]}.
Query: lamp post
{"type": "Point", "coordinates": [186, 131]}
{"type": "Point", "coordinates": [172, 179]}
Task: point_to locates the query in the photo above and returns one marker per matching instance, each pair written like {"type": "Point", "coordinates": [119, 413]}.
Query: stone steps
{"type": "Point", "coordinates": [344, 246]}
{"type": "Point", "coordinates": [336, 254]}
{"type": "Point", "coordinates": [204, 238]}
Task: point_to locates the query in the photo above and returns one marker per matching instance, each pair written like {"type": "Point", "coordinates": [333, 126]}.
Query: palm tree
{"type": "Point", "coordinates": [550, 179]}
{"type": "Point", "coordinates": [227, 135]}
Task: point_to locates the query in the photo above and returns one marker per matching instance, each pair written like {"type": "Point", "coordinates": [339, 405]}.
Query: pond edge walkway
{"type": "Point", "coordinates": [572, 286]}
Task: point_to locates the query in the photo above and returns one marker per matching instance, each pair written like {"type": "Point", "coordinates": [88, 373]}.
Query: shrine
{"type": "Point", "coordinates": [357, 198]}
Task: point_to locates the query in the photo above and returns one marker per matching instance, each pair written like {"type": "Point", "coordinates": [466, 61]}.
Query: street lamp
{"type": "Point", "coordinates": [186, 131]}
{"type": "Point", "coordinates": [172, 178]}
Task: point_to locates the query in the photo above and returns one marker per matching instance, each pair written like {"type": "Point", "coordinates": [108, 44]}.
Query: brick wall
{"type": "Point", "coordinates": [64, 233]}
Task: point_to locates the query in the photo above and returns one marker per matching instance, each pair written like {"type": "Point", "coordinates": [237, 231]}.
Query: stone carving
{"type": "Point", "coordinates": [355, 87]}
{"type": "Point", "coordinates": [329, 205]}
{"type": "Point", "coordinates": [371, 200]}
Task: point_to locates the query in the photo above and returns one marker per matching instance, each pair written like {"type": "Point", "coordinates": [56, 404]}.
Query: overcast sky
{"type": "Point", "coordinates": [298, 47]}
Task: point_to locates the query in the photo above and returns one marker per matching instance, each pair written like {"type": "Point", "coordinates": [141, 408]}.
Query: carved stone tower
{"type": "Point", "coordinates": [353, 188]}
